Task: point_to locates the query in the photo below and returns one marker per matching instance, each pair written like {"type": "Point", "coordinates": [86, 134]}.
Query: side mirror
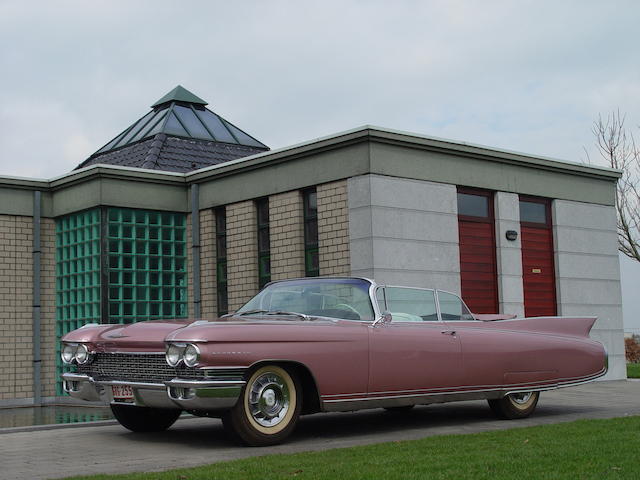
{"type": "Point", "coordinates": [383, 319]}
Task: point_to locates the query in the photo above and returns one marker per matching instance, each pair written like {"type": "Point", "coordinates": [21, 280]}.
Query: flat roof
{"type": "Point", "coordinates": [334, 140]}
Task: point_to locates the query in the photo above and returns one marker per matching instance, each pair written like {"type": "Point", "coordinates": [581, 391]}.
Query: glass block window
{"type": "Point", "coordinates": [77, 275]}
{"type": "Point", "coordinates": [311, 256]}
{"type": "Point", "coordinates": [146, 265]}
{"type": "Point", "coordinates": [221, 260]}
{"type": "Point", "coordinates": [264, 247]}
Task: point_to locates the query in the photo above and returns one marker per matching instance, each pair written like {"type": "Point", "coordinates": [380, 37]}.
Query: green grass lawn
{"type": "Point", "coordinates": [633, 370]}
{"type": "Point", "coordinates": [586, 449]}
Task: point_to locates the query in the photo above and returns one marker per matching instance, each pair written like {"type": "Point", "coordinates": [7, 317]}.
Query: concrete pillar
{"type": "Point", "coordinates": [508, 254]}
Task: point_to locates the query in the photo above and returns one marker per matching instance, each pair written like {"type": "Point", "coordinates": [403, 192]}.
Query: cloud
{"type": "Point", "coordinates": [501, 73]}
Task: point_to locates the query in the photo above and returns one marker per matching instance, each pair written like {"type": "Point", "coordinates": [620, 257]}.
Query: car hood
{"type": "Point", "coordinates": [143, 336]}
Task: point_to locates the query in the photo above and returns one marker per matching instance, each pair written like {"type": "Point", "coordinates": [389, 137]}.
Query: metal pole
{"type": "Point", "coordinates": [36, 312]}
{"type": "Point", "coordinates": [195, 248]}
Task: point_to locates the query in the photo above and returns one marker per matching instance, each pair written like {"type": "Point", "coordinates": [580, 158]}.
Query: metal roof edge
{"type": "Point", "coordinates": [469, 147]}
{"type": "Point", "coordinates": [103, 170]}
{"type": "Point", "coordinates": [418, 140]}
{"type": "Point", "coordinates": [23, 182]}
{"type": "Point", "coordinates": [289, 151]}
{"type": "Point", "coordinates": [292, 151]}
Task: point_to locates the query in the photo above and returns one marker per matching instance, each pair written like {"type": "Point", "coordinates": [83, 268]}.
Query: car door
{"type": "Point", "coordinates": [415, 352]}
{"type": "Point", "coordinates": [494, 354]}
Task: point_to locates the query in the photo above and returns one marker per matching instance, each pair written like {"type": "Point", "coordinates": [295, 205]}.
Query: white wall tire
{"type": "Point", "coordinates": [268, 408]}
{"type": "Point", "coordinates": [515, 405]}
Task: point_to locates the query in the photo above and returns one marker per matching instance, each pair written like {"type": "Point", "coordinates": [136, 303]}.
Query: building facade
{"type": "Point", "coordinates": [511, 233]}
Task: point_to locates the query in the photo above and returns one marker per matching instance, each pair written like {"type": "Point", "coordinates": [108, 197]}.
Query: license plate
{"type": "Point", "coordinates": [122, 392]}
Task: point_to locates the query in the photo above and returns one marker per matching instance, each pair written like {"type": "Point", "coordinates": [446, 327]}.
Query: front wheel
{"type": "Point", "coordinates": [144, 419]}
{"type": "Point", "coordinates": [268, 408]}
{"type": "Point", "coordinates": [515, 405]}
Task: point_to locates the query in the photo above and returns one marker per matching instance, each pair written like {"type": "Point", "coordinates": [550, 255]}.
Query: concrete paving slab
{"type": "Point", "coordinates": [55, 453]}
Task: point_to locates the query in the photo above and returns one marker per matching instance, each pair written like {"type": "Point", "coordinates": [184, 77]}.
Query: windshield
{"type": "Point", "coordinates": [346, 298]}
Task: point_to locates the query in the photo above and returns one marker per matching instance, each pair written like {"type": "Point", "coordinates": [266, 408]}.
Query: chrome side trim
{"type": "Point", "coordinates": [400, 399]}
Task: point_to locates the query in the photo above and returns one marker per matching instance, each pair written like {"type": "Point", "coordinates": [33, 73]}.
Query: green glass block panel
{"type": "Point", "coordinates": [77, 276]}
{"type": "Point", "coordinates": [147, 265]}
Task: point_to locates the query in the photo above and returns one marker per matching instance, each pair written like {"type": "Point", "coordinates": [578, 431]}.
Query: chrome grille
{"type": "Point", "coordinates": [136, 368]}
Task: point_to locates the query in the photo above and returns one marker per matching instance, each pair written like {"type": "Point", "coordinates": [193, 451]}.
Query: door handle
{"type": "Point", "coordinates": [449, 332]}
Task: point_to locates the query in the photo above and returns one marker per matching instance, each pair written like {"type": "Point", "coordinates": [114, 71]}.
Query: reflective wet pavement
{"type": "Point", "coordinates": [51, 415]}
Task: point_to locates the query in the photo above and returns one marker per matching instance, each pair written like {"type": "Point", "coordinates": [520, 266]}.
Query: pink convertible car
{"type": "Point", "coordinates": [326, 344]}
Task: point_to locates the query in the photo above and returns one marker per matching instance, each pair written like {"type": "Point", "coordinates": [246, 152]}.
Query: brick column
{"type": "Point", "coordinates": [287, 235]}
{"type": "Point", "coordinates": [208, 263]}
{"type": "Point", "coordinates": [333, 228]}
{"type": "Point", "coordinates": [242, 253]}
{"type": "Point", "coordinates": [48, 307]}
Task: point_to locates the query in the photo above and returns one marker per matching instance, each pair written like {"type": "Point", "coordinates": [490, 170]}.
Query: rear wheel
{"type": "Point", "coordinates": [268, 408]}
{"type": "Point", "coordinates": [144, 419]}
{"type": "Point", "coordinates": [515, 405]}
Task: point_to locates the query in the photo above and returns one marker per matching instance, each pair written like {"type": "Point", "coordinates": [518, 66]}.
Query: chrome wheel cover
{"type": "Point", "coordinates": [269, 399]}
{"type": "Point", "coordinates": [521, 398]}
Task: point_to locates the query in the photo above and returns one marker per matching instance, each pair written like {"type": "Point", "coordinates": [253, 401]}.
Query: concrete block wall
{"type": "Point", "coordinates": [588, 272]}
{"type": "Point", "coordinates": [508, 254]}
{"type": "Point", "coordinates": [242, 253]}
{"type": "Point", "coordinates": [286, 230]}
{"type": "Point", "coordinates": [16, 300]}
{"type": "Point", "coordinates": [208, 279]}
{"type": "Point", "coordinates": [333, 228]}
{"type": "Point", "coordinates": [404, 232]}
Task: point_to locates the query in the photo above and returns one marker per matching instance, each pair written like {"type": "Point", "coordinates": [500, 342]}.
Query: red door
{"type": "Point", "coordinates": [538, 270]}
{"type": "Point", "coordinates": [477, 250]}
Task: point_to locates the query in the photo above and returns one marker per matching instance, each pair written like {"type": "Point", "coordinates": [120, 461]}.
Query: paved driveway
{"type": "Point", "coordinates": [60, 452]}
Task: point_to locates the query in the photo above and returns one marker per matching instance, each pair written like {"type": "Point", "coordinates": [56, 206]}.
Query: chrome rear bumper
{"type": "Point", "coordinates": [193, 395]}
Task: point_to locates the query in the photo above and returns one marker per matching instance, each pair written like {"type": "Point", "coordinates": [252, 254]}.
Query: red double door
{"type": "Point", "coordinates": [478, 272]}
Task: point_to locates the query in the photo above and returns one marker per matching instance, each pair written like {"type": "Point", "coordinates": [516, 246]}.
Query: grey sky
{"type": "Point", "coordinates": [521, 75]}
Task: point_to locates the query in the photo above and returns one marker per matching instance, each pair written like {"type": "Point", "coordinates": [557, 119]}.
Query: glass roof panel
{"type": "Point", "coordinates": [173, 127]}
{"type": "Point", "coordinates": [242, 137]}
{"type": "Point", "coordinates": [135, 129]}
{"type": "Point", "coordinates": [157, 128]}
{"type": "Point", "coordinates": [143, 132]}
{"type": "Point", "coordinates": [111, 143]}
{"type": "Point", "coordinates": [192, 123]}
{"type": "Point", "coordinates": [215, 126]}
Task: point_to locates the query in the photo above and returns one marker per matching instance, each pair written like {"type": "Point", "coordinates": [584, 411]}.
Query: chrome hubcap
{"type": "Point", "coordinates": [269, 399]}
{"type": "Point", "coordinates": [521, 398]}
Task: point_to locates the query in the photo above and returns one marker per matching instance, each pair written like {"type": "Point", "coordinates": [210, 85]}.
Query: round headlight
{"type": "Point", "coordinates": [173, 355]}
{"type": "Point", "coordinates": [191, 355]}
{"type": "Point", "coordinates": [68, 352]}
{"type": "Point", "coordinates": [82, 354]}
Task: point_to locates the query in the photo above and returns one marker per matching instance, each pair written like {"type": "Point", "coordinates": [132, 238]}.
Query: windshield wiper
{"type": "Point", "coordinates": [252, 312]}
{"type": "Point", "coordinates": [282, 312]}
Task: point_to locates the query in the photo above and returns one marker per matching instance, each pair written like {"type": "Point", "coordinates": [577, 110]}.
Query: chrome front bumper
{"type": "Point", "coordinates": [175, 394]}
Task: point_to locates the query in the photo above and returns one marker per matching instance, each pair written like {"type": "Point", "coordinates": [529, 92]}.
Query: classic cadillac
{"type": "Point", "coordinates": [326, 344]}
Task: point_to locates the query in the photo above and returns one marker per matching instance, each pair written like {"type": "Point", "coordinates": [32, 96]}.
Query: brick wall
{"type": "Point", "coordinates": [208, 264]}
{"type": "Point", "coordinates": [242, 253]}
{"type": "Point", "coordinates": [48, 306]}
{"type": "Point", "coordinates": [333, 228]}
{"type": "Point", "coordinates": [16, 377]}
{"type": "Point", "coordinates": [287, 235]}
